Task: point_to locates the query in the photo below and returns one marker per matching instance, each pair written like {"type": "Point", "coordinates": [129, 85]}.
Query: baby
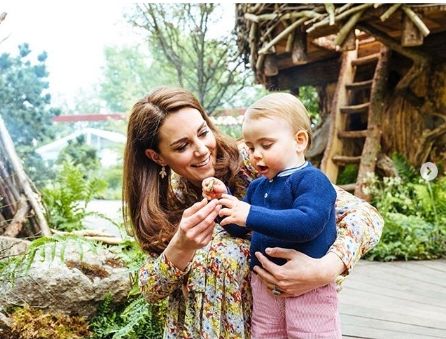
{"type": "Point", "coordinates": [292, 206]}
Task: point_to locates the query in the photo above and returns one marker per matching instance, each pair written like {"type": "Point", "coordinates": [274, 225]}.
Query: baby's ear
{"type": "Point", "coordinates": [301, 138]}
{"type": "Point", "coordinates": [155, 157]}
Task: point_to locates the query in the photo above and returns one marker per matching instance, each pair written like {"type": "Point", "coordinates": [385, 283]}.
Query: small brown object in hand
{"type": "Point", "coordinates": [208, 189]}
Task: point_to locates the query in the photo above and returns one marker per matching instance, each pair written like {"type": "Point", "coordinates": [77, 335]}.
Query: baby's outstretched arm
{"type": "Point", "coordinates": [234, 211]}
{"type": "Point", "coordinates": [213, 188]}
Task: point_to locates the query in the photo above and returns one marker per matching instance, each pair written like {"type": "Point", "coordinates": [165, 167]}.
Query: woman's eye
{"type": "Point", "coordinates": [181, 148]}
{"type": "Point", "coordinates": [266, 146]}
{"type": "Point", "coordinates": [204, 133]}
{"type": "Point", "coordinates": [251, 149]}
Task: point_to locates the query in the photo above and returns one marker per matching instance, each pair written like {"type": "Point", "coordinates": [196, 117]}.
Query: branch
{"type": "Point", "coordinates": [411, 53]}
{"type": "Point", "coordinates": [416, 20]}
{"type": "Point", "coordinates": [387, 14]}
{"type": "Point", "coordinates": [282, 34]}
{"type": "Point", "coordinates": [16, 224]}
{"type": "Point", "coordinates": [427, 140]}
{"type": "Point", "coordinates": [23, 180]}
{"type": "Point", "coordinates": [346, 29]}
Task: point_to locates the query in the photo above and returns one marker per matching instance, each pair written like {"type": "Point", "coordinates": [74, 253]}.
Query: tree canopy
{"type": "Point", "coordinates": [26, 104]}
{"type": "Point", "coordinates": [25, 100]}
{"type": "Point", "coordinates": [180, 38]}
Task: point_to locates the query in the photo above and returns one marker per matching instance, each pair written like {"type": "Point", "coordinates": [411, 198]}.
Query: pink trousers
{"type": "Point", "coordinates": [312, 315]}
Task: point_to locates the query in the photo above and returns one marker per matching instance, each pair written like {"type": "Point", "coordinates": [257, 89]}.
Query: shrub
{"type": "Point", "coordinates": [414, 212]}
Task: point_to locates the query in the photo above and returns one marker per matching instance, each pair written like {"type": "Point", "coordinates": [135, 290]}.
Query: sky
{"type": "Point", "coordinates": [73, 34]}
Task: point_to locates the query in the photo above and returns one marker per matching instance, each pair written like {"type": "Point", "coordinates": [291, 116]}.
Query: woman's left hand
{"type": "Point", "coordinates": [300, 274]}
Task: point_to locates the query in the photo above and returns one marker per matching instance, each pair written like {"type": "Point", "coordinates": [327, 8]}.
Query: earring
{"type": "Point", "coordinates": [163, 172]}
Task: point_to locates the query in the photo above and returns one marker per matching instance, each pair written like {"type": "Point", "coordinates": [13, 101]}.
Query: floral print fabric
{"type": "Point", "coordinates": [211, 298]}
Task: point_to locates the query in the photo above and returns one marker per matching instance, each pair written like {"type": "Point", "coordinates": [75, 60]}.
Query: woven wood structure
{"type": "Point", "coordinates": [380, 71]}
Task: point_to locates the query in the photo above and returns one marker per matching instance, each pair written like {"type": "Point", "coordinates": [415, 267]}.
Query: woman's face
{"type": "Point", "coordinates": [187, 145]}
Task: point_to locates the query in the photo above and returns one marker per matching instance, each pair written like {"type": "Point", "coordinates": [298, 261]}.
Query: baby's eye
{"type": "Point", "coordinates": [267, 146]}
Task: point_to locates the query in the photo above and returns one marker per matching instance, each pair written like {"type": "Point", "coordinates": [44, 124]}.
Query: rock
{"type": "Point", "coordinates": [75, 285]}
{"type": "Point", "coordinates": [12, 246]}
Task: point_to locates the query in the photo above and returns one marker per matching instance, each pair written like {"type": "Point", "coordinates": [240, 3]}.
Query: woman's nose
{"type": "Point", "coordinates": [200, 149]}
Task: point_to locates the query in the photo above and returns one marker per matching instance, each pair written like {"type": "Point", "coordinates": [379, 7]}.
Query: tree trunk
{"type": "Point", "coordinates": [413, 122]}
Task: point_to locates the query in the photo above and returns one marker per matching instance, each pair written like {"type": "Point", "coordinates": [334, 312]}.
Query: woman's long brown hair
{"type": "Point", "coordinates": [149, 203]}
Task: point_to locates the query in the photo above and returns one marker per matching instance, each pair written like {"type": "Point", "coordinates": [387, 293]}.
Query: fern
{"type": "Point", "coordinates": [137, 319]}
{"type": "Point", "coordinates": [67, 198]}
{"type": "Point", "coordinates": [348, 175]}
{"type": "Point", "coordinates": [46, 248]}
{"type": "Point", "coordinates": [405, 170]}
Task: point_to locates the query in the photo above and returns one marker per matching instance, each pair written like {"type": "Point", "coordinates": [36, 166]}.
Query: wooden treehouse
{"type": "Point", "coordinates": [379, 69]}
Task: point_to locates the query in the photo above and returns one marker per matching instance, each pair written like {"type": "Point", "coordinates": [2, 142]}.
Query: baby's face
{"type": "Point", "coordinates": [272, 144]}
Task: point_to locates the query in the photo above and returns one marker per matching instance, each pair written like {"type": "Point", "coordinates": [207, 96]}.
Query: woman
{"type": "Point", "coordinates": [171, 147]}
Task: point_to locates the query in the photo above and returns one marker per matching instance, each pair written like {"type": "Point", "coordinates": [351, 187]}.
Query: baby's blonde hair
{"type": "Point", "coordinates": [285, 106]}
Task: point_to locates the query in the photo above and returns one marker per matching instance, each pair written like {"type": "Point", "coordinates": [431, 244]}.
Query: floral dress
{"type": "Point", "coordinates": [212, 298]}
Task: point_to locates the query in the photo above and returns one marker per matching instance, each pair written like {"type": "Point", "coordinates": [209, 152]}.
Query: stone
{"type": "Point", "coordinates": [75, 286]}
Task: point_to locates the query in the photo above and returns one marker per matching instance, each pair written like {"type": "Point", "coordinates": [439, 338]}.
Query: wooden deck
{"type": "Point", "coordinates": [395, 300]}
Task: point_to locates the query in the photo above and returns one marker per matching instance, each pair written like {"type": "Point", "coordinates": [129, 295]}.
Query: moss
{"type": "Point", "coordinates": [29, 323]}
{"type": "Point", "coordinates": [115, 263]}
{"type": "Point", "coordinates": [90, 270]}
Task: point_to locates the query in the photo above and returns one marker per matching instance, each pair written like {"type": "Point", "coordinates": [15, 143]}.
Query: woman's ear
{"type": "Point", "coordinates": [154, 156]}
{"type": "Point", "coordinates": [301, 138]}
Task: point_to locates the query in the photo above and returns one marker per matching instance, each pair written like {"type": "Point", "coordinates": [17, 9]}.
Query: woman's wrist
{"type": "Point", "coordinates": [179, 256]}
{"type": "Point", "coordinates": [332, 267]}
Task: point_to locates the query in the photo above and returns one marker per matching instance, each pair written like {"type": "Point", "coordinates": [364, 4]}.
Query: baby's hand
{"type": "Point", "coordinates": [234, 211]}
{"type": "Point", "coordinates": [213, 188]}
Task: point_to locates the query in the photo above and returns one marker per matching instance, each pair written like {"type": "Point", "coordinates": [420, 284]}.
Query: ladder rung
{"type": "Point", "coordinates": [355, 108]}
{"type": "Point", "coordinates": [366, 59]}
{"type": "Point", "coordinates": [359, 85]}
{"type": "Point", "coordinates": [343, 159]}
{"type": "Point", "coordinates": [352, 134]}
{"type": "Point", "coordinates": [368, 40]}
{"type": "Point", "coordinates": [348, 187]}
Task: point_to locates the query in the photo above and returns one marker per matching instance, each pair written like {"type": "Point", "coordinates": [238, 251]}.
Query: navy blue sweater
{"type": "Point", "coordinates": [295, 209]}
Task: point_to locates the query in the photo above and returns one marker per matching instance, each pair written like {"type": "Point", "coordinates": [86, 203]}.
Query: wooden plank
{"type": "Point", "coordinates": [270, 68]}
{"type": "Point", "coordinates": [385, 313]}
{"type": "Point", "coordinates": [380, 307]}
{"type": "Point", "coordinates": [352, 109]}
{"type": "Point", "coordinates": [359, 85]}
{"type": "Point", "coordinates": [434, 274]}
{"type": "Point", "coordinates": [385, 273]}
{"type": "Point", "coordinates": [348, 187]}
{"type": "Point", "coordinates": [438, 264]}
{"type": "Point", "coordinates": [318, 73]}
{"type": "Point", "coordinates": [395, 300]}
{"type": "Point", "coordinates": [343, 159]}
{"type": "Point", "coordinates": [352, 134]}
{"type": "Point", "coordinates": [341, 98]}
{"type": "Point", "coordinates": [372, 144]}
{"type": "Point", "coordinates": [410, 34]}
{"type": "Point", "coordinates": [368, 328]}
{"type": "Point", "coordinates": [421, 289]}
{"type": "Point", "coordinates": [394, 270]}
{"type": "Point", "coordinates": [429, 298]}
{"type": "Point", "coordinates": [391, 326]}
{"type": "Point", "coordinates": [366, 60]}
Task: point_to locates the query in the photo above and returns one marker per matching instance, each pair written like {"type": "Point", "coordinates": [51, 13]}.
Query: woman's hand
{"type": "Point", "coordinates": [194, 232]}
{"type": "Point", "coordinates": [300, 274]}
{"type": "Point", "coordinates": [234, 211]}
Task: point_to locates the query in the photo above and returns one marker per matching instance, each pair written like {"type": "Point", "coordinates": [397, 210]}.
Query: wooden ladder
{"type": "Point", "coordinates": [356, 112]}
